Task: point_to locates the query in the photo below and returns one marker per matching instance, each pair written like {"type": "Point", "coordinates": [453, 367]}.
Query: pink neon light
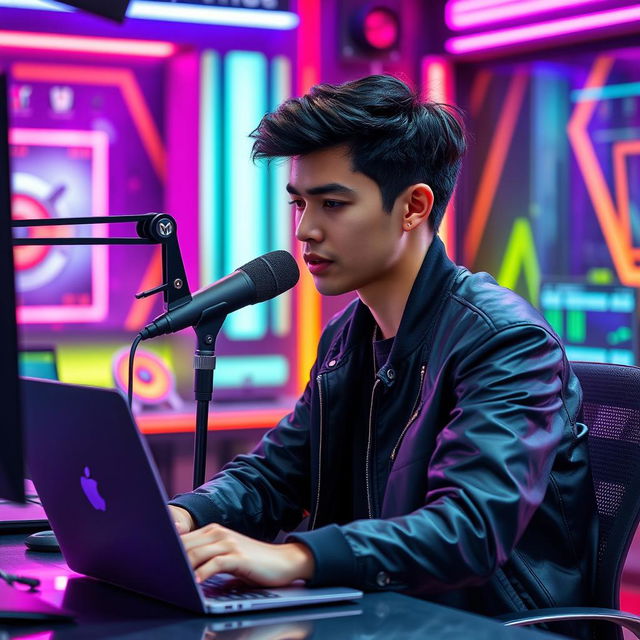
{"type": "Point", "coordinates": [460, 6]}
{"type": "Point", "coordinates": [437, 83]}
{"type": "Point", "coordinates": [85, 44]}
{"type": "Point", "coordinates": [463, 19]}
{"type": "Point", "coordinates": [98, 142]}
{"type": "Point", "coordinates": [541, 31]}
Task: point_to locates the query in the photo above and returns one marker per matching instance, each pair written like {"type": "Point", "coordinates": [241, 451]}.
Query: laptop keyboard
{"type": "Point", "coordinates": [216, 588]}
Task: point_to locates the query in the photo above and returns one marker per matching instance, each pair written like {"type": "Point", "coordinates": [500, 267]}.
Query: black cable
{"type": "Point", "coordinates": [132, 355]}
{"type": "Point", "coordinates": [10, 578]}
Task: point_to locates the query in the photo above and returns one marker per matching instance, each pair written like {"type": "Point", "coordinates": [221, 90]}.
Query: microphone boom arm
{"type": "Point", "coordinates": [152, 228]}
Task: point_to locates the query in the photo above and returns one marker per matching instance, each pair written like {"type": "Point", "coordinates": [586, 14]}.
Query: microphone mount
{"type": "Point", "coordinates": [152, 228]}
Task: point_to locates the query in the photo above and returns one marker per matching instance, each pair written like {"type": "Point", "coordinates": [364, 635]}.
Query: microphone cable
{"type": "Point", "coordinates": [132, 355]}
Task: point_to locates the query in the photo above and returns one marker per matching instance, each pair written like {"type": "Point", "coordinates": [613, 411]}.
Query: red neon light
{"type": "Point", "coordinates": [85, 44]}
{"type": "Point", "coordinates": [542, 30]}
{"type": "Point", "coordinates": [437, 84]}
{"type": "Point", "coordinates": [218, 420]}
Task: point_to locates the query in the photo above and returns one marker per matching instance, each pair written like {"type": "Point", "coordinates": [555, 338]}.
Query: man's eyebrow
{"type": "Point", "coordinates": [323, 189]}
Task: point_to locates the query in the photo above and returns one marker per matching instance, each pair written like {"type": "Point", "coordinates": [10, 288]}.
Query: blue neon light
{"type": "Point", "coordinates": [197, 14]}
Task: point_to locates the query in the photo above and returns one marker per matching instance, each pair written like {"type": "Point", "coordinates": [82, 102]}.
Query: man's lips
{"type": "Point", "coordinates": [316, 264]}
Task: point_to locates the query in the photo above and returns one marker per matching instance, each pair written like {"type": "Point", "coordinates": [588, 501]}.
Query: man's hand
{"type": "Point", "coordinates": [216, 549]}
{"type": "Point", "coordinates": [182, 519]}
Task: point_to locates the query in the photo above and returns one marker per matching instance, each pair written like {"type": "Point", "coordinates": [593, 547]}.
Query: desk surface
{"type": "Point", "coordinates": [104, 611]}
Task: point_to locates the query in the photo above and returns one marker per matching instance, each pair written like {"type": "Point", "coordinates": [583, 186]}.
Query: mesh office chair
{"type": "Point", "coordinates": [611, 408]}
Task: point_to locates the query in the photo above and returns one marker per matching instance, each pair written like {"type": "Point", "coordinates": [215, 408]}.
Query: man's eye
{"type": "Point", "coordinates": [333, 204]}
{"type": "Point", "coordinates": [298, 204]}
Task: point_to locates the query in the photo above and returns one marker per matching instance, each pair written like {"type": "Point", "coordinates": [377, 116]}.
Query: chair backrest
{"type": "Point", "coordinates": [611, 410]}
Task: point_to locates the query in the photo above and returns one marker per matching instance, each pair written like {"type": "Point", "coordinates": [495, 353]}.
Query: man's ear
{"type": "Point", "coordinates": [418, 202]}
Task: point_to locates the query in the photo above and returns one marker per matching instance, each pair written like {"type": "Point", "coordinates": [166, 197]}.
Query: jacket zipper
{"type": "Point", "coordinates": [315, 515]}
{"type": "Point", "coordinates": [414, 415]}
{"type": "Point", "coordinates": [367, 470]}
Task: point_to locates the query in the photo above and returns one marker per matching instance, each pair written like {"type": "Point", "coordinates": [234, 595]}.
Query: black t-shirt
{"type": "Point", "coordinates": [381, 445]}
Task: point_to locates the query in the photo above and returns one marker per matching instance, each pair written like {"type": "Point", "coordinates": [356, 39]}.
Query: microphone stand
{"type": "Point", "coordinates": [204, 363]}
{"type": "Point", "coordinates": [156, 228]}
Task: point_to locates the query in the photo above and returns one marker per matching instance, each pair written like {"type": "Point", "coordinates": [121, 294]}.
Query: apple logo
{"type": "Point", "coordinates": [90, 488]}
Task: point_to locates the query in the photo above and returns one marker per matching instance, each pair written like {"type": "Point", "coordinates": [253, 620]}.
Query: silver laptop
{"type": "Point", "coordinates": [105, 503]}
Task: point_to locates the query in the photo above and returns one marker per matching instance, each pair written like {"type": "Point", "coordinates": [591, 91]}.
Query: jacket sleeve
{"type": "Point", "coordinates": [488, 473]}
{"type": "Point", "coordinates": [262, 492]}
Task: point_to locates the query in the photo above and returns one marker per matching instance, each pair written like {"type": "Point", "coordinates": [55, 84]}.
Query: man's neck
{"type": "Point", "coordinates": [387, 298]}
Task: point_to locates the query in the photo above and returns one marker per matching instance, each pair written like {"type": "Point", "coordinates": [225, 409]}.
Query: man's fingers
{"type": "Point", "coordinates": [220, 564]}
{"type": "Point", "coordinates": [200, 555]}
{"type": "Point", "coordinates": [206, 535]}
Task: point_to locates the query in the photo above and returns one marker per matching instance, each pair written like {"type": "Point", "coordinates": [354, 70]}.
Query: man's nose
{"type": "Point", "coordinates": [307, 228]}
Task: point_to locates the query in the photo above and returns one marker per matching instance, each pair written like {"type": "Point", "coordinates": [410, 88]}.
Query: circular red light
{"type": "Point", "coordinates": [381, 28]}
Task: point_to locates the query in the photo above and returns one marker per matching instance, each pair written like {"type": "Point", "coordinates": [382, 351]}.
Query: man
{"type": "Point", "coordinates": [436, 447]}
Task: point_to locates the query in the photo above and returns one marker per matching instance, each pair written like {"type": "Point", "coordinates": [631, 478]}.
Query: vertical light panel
{"type": "Point", "coordinates": [549, 173]}
{"type": "Point", "coordinates": [245, 183]}
{"type": "Point", "coordinates": [210, 209]}
{"type": "Point", "coordinates": [281, 227]}
{"type": "Point", "coordinates": [308, 306]}
{"type": "Point", "coordinates": [437, 85]}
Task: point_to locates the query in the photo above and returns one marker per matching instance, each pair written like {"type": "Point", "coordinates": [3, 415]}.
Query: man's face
{"type": "Point", "coordinates": [349, 242]}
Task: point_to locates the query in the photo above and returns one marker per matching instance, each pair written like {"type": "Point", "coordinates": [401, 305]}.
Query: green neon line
{"type": "Point", "coordinates": [245, 201]}
{"type": "Point", "coordinates": [599, 275]}
{"type": "Point", "coordinates": [576, 326]}
{"type": "Point", "coordinates": [554, 318]}
{"type": "Point", "coordinates": [281, 231]}
{"type": "Point", "coordinates": [520, 255]}
{"type": "Point", "coordinates": [609, 92]}
{"type": "Point", "coordinates": [209, 213]}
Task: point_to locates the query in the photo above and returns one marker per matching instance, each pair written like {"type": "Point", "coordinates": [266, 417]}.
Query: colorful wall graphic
{"type": "Point", "coordinates": [550, 189]}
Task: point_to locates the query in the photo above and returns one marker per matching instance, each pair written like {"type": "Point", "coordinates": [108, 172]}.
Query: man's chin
{"type": "Point", "coordinates": [331, 289]}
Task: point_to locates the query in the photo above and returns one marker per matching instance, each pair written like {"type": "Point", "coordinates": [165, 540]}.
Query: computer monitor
{"type": "Point", "coordinates": [11, 448]}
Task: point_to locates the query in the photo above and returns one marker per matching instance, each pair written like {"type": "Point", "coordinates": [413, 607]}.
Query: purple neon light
{"type": "Point", "coordinates": [542, 30]}
{"type": "Point", "coordinates": [465, 14]}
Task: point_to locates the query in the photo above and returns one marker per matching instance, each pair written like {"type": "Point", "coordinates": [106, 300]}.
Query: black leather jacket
{"type": "Point", "coordinates": [486, 501]}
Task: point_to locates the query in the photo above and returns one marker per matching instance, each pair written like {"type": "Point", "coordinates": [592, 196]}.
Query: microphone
{"type": "Point", "coordinates": [261, 279]}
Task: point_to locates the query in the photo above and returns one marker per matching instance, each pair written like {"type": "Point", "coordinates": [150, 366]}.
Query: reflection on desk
{"type": "Point", "coordinates": [105, 611]}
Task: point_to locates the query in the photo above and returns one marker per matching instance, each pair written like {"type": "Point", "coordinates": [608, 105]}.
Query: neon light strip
{"type": "Point", "coordinates": [309, 308]}
{"type": "Point", "coordinates": [492, 170]}
{"type": "Point", "coordinates": [245, 195]}
{"type": "Point", "coordinates": [85, 44]}
{"type": "Point", "coordinates": [437, 84]}
{"type": "Point", "coordinates": [281, 227]}
{"type": "Point", "coordinates": [479, 88]}
{"type": "Point", "coordinates": [459, 20]}
{"type": "Point", "coordinates": [616, 236]}
{"type": "Point", "coordinates": [463, 6]}
{"type": "Point", "coordinates": [198, 14]}
{"type": "Point", "coordinates": [212, 15]}
{"type": "Point", "coordinates": [209, 164]}
{"type": "Point", "coordinates": [542, 31]}
{"type": "Point", "coordinates": [608, 92]}
{"type": "Point", "coordinates": [218, 420]}
{"type": "Point", "coordinates": [98, 142]}
{"type": "Point", "coordinates": [521, 255]}
{"type": "Point", "coordinates": [621, 150]}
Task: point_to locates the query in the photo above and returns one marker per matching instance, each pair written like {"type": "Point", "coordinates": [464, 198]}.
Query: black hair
{"type": "Point", "coordinates": [393, 137]}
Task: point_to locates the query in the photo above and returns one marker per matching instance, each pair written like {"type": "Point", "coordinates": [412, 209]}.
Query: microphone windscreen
{"type": "Point", "coordinates": [272, 274]}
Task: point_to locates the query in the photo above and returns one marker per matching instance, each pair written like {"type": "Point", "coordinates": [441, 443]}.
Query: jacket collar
{"type": "Point", "coordinates": [429, 291]}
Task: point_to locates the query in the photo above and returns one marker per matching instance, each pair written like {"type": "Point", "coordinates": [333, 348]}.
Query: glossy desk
{"type": "Point", "coordinates": [103, 611]}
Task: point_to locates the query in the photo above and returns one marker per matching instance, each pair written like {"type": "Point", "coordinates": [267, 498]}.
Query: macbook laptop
{"type": "Point", "coordinates": [105, 503]}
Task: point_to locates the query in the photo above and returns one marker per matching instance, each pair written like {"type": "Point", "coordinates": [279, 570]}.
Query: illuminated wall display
{"type": "Point", "coordinates": [550, 202]}
{"type": "Point", "coordinates": [596, 323]}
